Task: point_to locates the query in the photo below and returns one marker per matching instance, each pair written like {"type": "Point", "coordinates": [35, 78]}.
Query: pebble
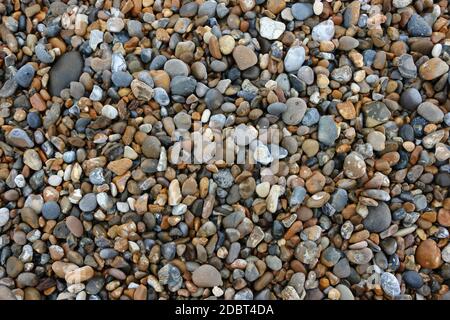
{"type": "Point", "coordinates": [24, 76]}
{"type": "Point", "coordinates": [270, 29]}
{"type": "Point", "coordinates": [378, 218]}
{"type": "Point", "coordinates": [302, 11]}
{"type": "Point", "coordinates": [328, 130]}
{"type": "Point", "coordinates": [294, 59]}
{"type": "Point", "coordinates": [430, 112]}
{"type": "Point", "coordinates": [67, 68]}
{"type": "Point", "coordinates": [428, 255]}
{"type": "Point", "coordinates": [206, 276]}
{"type": "Point", "coordinates": [389, 284]}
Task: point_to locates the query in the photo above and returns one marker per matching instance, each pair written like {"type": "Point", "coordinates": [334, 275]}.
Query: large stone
{"type": "Point", "coordinates": [68, 68]}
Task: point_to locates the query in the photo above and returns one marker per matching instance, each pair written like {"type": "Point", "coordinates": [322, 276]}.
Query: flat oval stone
{"type": "Point", "coordinates": [206, 276]}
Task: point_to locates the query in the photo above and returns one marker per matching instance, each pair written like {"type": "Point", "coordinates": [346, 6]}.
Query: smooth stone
{"type": "Point", "coordinates": [19, 138]}
{"type": "Point", "coordinates": [244, 57]}
{"type": "Point", "coordinates": [24, 76]}
{"type": "Point", "coordinates": [328, 130]}
{"type": "Point", "coordinates": [302, 11]}
{"type": "Point", "coordinates": [418, 27]}
{"type": "Point", "coordinates": [88, 202]}
{"type": "Point", "coordinates": [379, 218]}
{"type": "Point", "coordinates": [428, 255]}
{"type": "Point", "coordinates": [296, 108]}
{"type": "Point", "coordinates": [412, 279]}
{"type": "Point", "coordinates": [67, 68]}
{"type": "Point", "coordinates": [323, 31]}
{"type": "Point", "coordinates": [410, 99]}
{"type": "Point", "coordinates": [271, 29]}
{"type": "Point", "coordinates": [294, 59]}
{"type": "Point", "coordinates": [430, 112]}
{"type": "Point", "coordinates": [206, 276]}
{"type": "Point", "coordinates": [389, 284]}
{"type": "Point", "coordinates": [51, 210]}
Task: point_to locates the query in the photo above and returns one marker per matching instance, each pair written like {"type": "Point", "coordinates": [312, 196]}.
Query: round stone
{"type": "Point", "coordinates": [428, 254]}
{"type": "Point", "coordinates": [295, 111]}
{"type": "Point", "coordinates": [88, 202]}
{"type": "Point", "coordinates": [51, 210]}
{"type": "Point", "coordinates": [379, 218]}
{"type": "Point", "coordinates": [354, 165]}
{"type": "Point", "coordinates": [206, 276]}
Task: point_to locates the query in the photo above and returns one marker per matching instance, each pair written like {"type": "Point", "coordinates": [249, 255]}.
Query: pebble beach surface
{"type": "Point", "coordinates": [335, 115]}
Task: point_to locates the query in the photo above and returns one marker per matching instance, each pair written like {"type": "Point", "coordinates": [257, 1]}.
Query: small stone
{"type": "Point", "coordinates": [410, 99]}
{"type": "Point", "coordinates": [244, 57]}
{"type": "Point", "coordinates": [433, 68]}
{"type": "Point", "coordinates": [379, 218]}
{"type": "Point", "coordinates": [51, 210]}
{"type": "Point", "coordinates": [428, 255]}
{"type": "Point", "coordinates": [88, 203]}
{"type": "Point", "coordinates": [323, 31]}
{"type": "Point", "coordinates": [328, 130]}
{"type": "Point", "coordinates": [4, 216]}
{"type": "Point", "coordinates": [430, 112]}
{"type": "Point", "coordinates": [75, 226]}
{"type": "Point", "coordinates": [377, 140]}
{"type": "Point", "coordinates": [295, 111]}
{"type": "Point", "coordinates": [24, 76]}
{"type": "Point", "coordinates": [412, 279]}
{"type": "Point", "coordinates": [294, 59]}
{"type": "Point", "coordinates": [418, 27]}
{"type": "Point", "coordinates": [206, 276]}
{"type": "Point", "coordinates": [19, 138]}
{"type": "Point", "coordinates": [31, 159]}
{"type": "Point", "coordinates": [376, 113]}
{"type": "Point", "coordinates": [115, 24]}
{"type": "Point", "coordinates": [360, 256]}
{"type": "Point", "coordinates": [389, 284]}
{"type": "Point", "coordinates": [67, 68]}
{"type": "Point", "coordinates": [110, 112]}
{"type": "Point", "coordinates": [271, 29]}
{"type": "Point", "coordinates": [302, 11]}
{"type": "Point", "coordinates": [407, 67]}
{"type": "Point", "coordinates": [79, 275]}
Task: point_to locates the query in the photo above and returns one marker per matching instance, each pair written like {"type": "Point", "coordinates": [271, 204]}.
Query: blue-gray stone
{"type": "Point", "coordinates": [182, 86]}
{"type": "Point", "coordinates": [311, 117]}
{"type": "Point", "coordinates": [24, 76]}
{"type": "Point", "coordinates": [122, 78]}
{"type": "Point", "coordinates": [328, 130]}
{"type": "Point", "coordinates": [297, 196]}
{"type": "Point", "coordinates": [302, 11]}
{"type": "Point", "coordinates": [389, 284]}
{"type": "Point", "coordinates": [160, 95]}
{"type": "Point", "coordinates": [412, 279]}
{"type": "Point", "coordinates": [51, 210]}
{"type": "Point", "coordinates": [34, 120]}
{"type": "Point", "coordinates": [418, 27]}
{"type": "Point", "coordinates": [339, 199]}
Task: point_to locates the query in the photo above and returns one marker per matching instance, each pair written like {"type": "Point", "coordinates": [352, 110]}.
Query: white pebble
{"type": "Point", "coordinates": [20, 181]}
{"type": "Point", "coordinates": [437, 50]}
{"type": "Point", "coordinates": [110, 112]}
{"type": "Point", "coordinates": [4, 216]}
{"type": "Point", "coordinates": [54, 180]}
{"type": "Point", "coordinates": [318, 7]}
